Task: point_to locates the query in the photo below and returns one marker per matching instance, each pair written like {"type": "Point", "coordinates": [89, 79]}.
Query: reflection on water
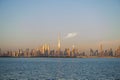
{"type": "Point", "coordinates": [59, 69]}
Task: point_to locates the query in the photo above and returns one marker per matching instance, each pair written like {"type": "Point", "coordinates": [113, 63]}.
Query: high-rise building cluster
{"type": "Point", "coordinates": [104, 53]}
{"type": "Point", "coordinates": [45, 51]}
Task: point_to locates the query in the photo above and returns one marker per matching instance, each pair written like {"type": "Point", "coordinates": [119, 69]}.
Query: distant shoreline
{"type": "Point", "coordinates": [61, 57]}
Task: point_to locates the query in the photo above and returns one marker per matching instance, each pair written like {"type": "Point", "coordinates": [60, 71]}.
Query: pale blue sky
{"type": "Point", "coordinates": [30, 23]}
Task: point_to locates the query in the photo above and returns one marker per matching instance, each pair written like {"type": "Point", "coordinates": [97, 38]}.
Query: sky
{"type": "Point", "coordinates": [83, 23]}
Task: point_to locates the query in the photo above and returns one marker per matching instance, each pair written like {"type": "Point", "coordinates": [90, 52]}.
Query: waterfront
{"type": "Point", "coordinates": [59, 68]}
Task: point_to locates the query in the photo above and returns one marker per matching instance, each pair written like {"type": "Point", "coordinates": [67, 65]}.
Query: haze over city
{"type": "Point", "coordinates": [86, 24]}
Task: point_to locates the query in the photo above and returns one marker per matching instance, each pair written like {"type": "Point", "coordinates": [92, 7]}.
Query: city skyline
{"type": "Point", "coordinates": [46, 51]}
{"type": "Point", "coordinates": [85, 24]}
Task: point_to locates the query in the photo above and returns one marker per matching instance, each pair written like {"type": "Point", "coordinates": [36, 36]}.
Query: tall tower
{"type": "Point", "coordinates": [101, 50]}
{"type": "Point", "coordinates": [0, 52]}
{"type": "Point", "coordinates": [100, 47]}
{"type": "Point", "coordinates": [59, 45]}
{"type": "Point", "coordinates": [73, 46]}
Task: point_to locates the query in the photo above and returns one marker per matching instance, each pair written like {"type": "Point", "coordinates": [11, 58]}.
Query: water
{"type": "Point", "coordinates": [59, 69]}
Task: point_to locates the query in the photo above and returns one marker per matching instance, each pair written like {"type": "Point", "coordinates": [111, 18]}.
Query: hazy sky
{"type": "Point", "coordinates": [85, 23]}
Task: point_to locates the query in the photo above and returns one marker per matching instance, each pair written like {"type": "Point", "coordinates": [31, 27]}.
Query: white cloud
{"type": "Point", "coordinates": [71, 35]}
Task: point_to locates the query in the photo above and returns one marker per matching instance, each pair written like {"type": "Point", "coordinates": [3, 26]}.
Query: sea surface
{"type": "Point", "coordinates": [59, 68]}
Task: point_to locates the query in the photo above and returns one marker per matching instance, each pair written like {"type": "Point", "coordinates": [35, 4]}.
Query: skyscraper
{"type": "Point", "coordinates": [59, 45]}
{"type": "Point", "coordinates": [101, 50]}
{"type": "Point", "coordinates": [0, 52]}
{"type": "Point", "coordinates": [45, 50]}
